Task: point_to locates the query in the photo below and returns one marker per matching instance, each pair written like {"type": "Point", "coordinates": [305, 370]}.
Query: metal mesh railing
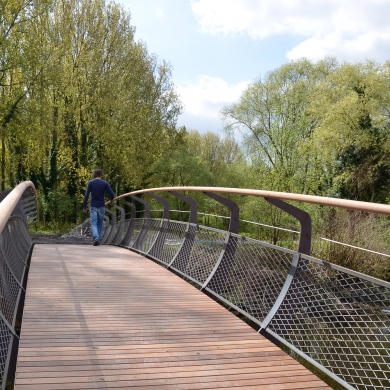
{"type": "Point", "coordinates": [120, 232]}
{"type": "Point", "coordinates": [136, 226]}
{"type": "Point", "coordinates": [336, 319]}
{"type": "Point", "coordinates": [152, 229]}
{"type": "Point", "coordinates": [18, 211]}
{"type": "Point", "coordinates": [197, 260]}
{"type": "Point", "coordinates": [252, 277]}
{"type": "Point", "coordinates": [6, 339]}
{"type": "Point", "coordinates": [14, 256]}
{"type": "Point", "coordinates": [171, 241]}
{"type": "Point", "coordinates": [340, 319]}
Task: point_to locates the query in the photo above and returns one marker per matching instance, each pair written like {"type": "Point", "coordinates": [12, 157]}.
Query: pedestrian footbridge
{"type": "Point", "coordinates": [172, 304]}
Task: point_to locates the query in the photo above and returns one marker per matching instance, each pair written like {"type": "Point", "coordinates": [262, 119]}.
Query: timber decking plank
{"type": "Point", "coordinates": [167, 366]}
{"type": "Point", "coordinates": [105, 317]}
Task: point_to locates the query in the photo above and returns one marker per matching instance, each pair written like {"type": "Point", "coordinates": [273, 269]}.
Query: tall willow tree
{"type": "Point", "coordinates": [319, 128]}
{"type": "Point", "coordinates": [274, 117]}
{"type": "Point", "coordinates": [351, 106]}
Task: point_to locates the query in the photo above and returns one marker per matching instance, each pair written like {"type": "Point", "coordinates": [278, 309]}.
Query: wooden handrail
{"type": "Point", "coordinates": [376, 208]}
{"type": "Point", "coordinates": [9, 203]}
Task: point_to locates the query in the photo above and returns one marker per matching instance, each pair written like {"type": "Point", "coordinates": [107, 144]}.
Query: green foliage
{"type": "Point", "coordinates": [78, 92]}
{"type": "Point", "coordinates": [320, 129]}
{"type": "Point", "coordinates": [353, 129]}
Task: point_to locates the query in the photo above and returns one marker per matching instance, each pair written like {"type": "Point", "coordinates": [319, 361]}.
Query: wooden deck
{"type": "Point", "coordinates": [107, 318]}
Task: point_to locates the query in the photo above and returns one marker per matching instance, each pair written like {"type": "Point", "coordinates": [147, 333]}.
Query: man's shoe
{"type": "Point", "coordinates": [96, 242]}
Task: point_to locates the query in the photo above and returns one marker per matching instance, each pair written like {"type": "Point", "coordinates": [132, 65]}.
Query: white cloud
{"type": "Point", "coordinates": [348, 29]}
{"type": "Point", "coordinates": [159, 12]}
{"type": "Point", "coordinates": [209, 95]}
{"type": "Point", "coordinates": [369, 45]}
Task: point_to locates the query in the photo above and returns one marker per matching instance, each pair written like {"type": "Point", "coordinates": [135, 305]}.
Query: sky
{"type": "Point", "coordinates": [218, 47]}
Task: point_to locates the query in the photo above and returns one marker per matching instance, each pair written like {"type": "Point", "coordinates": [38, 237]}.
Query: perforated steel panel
{"type": "Point", "coordinates": [157, 246]}
{"type": "Point", "coordinates": [341, 319]}
{"type": "Point", "coordinates": [17, 246]}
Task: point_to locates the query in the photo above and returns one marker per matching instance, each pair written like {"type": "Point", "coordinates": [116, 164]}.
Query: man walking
{"type": "Point", "coordinates": [97, 187]}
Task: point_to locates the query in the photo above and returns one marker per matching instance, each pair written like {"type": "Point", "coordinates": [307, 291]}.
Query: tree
{"type": "Point", "coordinates": [19, 72]}
{"type": "Point", "coordinates": [275, 120]}
{"type": "Point", "coordinates": [78, 92]}
{"type": "Point", "coordinates": [353, 135]}
{"type": "Point", "coordinates": [221, 156]}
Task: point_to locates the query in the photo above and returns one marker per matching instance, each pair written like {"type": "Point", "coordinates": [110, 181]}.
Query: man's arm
{"type": "Point", "coordinates": [110, 192]}
{"type": "Point", "coordinates": [86, 198]}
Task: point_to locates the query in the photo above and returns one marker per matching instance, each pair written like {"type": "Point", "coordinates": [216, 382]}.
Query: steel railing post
{"type": "Point", "coordinates": [139, 242]}
{"type": "Point", "coordinates": [304, 219]}
{"type": "Point", "coordinates": [289, 294]}
{"type": "Point", "coordinates": [184, 253]}
{"type": "Point", "coordinates": [106, 229]}
{"type": "Point", "coordinates": [158, 245]}
{"type": "Point", "coordinates": [108, 238]}
{"type": "Point", "coordinates": [227, 257]}
{"type": "Point", "coordinates": [115, 233]}
{"type": "Point", "coordinates": [130, 230]}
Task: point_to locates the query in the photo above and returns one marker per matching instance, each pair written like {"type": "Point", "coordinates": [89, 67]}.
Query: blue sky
{"type": "Point", "coordinates": [218, 47]}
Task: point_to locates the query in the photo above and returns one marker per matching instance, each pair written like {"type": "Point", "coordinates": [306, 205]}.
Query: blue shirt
{"type": "Point", "coordinates": [97, 188]}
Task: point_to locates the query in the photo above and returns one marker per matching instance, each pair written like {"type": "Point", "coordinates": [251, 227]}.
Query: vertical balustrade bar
{"type": "Point", "coordinates": [110, 235]}
{"type": "Point", "coordinates": [158, 245]}
{"type": "Point", "coordinates": [107, 229]}
{"type": "Point", "coordinates": [292, 296]}
{"type": "Point", "coordinates": [184, 253]}
{"type": "Point", "coordinates": [117, 234]}
{"type": "Point", "coordinates": [304, 219]}
{"type": "Point", "coordinates": [130, 230]}
{"type": "Point", "coordinates": [139, 242]}
{"type": "Point", "coordinates": [227, 257]}
{"type": "Point", "coordinates": [10, 364]}
{"type": "Point", "coordinates": [113, 227]}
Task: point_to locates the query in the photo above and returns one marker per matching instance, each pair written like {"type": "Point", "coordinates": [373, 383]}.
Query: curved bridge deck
{"type": "Point", "coordinates": [107, 318]}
